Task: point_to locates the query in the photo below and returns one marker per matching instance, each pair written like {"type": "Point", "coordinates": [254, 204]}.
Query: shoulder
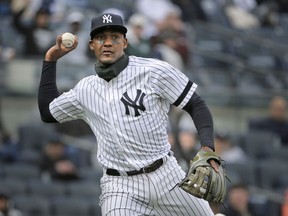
{"type": "Point", "coordinates": [152, 64]}
{"type": "Point", "coordinates": [84, 84]}
{"type": "Point", "coordinates": [87, 80]}
{"type": "Point", "coordinates": [147, 62]}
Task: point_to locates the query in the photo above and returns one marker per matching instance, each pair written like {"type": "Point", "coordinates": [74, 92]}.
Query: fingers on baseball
{"type": "Point", "coordinates": [58, 42]}
{"type": "Point", "coordinates": [60, 45]}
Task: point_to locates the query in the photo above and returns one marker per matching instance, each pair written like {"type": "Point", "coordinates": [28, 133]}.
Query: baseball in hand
{"type": "Point", "coordinates": [68, 39]}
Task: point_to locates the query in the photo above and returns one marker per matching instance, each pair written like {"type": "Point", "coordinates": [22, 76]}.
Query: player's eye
{"type": "Point", "coordinates": [99, 37]}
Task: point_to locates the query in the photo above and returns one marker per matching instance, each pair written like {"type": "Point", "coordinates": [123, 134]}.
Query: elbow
{"type": "Point", "coordinates": [48, 119]}
{"type": "Point", "coordinates": [47, 116]}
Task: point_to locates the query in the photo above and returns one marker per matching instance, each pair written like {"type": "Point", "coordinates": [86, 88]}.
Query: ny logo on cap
{"type": "Point", "coordinates": [107, 18]}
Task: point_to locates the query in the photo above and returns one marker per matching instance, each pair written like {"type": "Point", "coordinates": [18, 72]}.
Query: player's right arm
{"type": "Point", "coordinates": [48, 90]}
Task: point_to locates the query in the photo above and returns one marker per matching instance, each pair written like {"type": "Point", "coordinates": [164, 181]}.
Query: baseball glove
{"type": "Point", "coordinates": [203, 181]}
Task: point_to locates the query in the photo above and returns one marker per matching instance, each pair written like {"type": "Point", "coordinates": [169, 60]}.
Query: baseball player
{"type": "Point", "coordinates": [126, 104]}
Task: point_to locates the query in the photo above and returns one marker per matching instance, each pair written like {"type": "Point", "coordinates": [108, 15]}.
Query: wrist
{"type": "Point", "coordinates": [50, 58]}
{"type": "Point", "coordinates": [207, 148]}
{"type": "Point", "coordinates": [51, 55]}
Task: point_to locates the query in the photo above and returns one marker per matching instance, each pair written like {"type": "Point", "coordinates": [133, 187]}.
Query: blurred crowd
{"type": "Point", "coordinates": [29, 27]}
{"type": "Point", "coordinates": [156, 29]}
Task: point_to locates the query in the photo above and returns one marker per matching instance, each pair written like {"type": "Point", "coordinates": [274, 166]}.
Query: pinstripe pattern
{"type": "Point", "coordinates": [126, 142]}
{"type": "Point", "coordinates": [132, 135]}
{"type": "Point", "coordinates": [150, 194]}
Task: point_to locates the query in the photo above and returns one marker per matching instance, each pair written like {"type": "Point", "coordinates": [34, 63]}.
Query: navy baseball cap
{"type": "Point", "coordinates": [107, 20]}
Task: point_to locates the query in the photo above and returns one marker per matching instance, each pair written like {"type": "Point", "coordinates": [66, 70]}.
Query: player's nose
{"type": "Point", "coordinates": [108, 41]}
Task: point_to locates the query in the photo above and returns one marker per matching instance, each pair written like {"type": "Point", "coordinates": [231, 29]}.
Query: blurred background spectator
{"type": "Point", "coordinates": [76, 25]}
{"type": "Point", "coordinates": [166, 49]}
{"type": "Point", "coordinates": [9, 148]}
{"type": "Point", "coordinates": [240, 14]}
{"type": "Point", "coordinates": [36, 31]}
{"type": "Point", "coordinates": [139, 43]}
{"type": "Point", "coordinates": [6, 206]}
{"type": "Point", "coordinates": [192, 10]}
{"type": "Point", "coordinates": [275, 122]}
{"type": "Point", "coordinates": [227, 150]}
{"type": "Point", "coordinates": [7, 53]}
{"type": "Point", "coordinates": [183, 137]}
{"type": "Point", "coordinates": [184, 144]}
{"type": "Point", "coordinates": [160, 11]}
{"type": "Point", "coordinates": [239, 202]}
{"type": "Point", "coordinates": [173, 22]}
{"type": "Point", "coordinates": [55, 164]}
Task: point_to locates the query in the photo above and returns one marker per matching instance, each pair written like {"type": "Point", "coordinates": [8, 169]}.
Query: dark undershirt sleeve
{"type": "Point", "coordinates": [47, 91]}
{"type": "Point", "coordinates": [202, 118]}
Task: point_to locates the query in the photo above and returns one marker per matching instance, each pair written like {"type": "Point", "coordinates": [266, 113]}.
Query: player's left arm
{"type": "Point", "coordinates": [201, 115]}
{"type": "Point", "coordinates": [206, 177]}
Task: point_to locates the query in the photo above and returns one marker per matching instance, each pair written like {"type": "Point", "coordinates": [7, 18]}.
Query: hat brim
{"type": "Point", "coordinates": [121, 29]}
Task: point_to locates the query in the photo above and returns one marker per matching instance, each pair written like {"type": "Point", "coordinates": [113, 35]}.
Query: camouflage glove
{"type": "Point", "coordinates": [203, 181]}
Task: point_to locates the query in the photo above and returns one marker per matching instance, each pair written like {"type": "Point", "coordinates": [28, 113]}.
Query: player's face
{"type": "Point", "coordinates": [108, 46]}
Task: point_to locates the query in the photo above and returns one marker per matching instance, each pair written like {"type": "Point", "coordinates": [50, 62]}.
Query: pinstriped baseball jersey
{"type": "Point", "coordinates": [128, 114]}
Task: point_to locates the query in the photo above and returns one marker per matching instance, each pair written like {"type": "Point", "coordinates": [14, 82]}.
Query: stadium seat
{"type": "Point", "coordinates": [95, 207]}
{"type": "Point", "coordinates": [264, 62]}
{"type": "Point", "coordinates": [242, 173]}
{"type": "Point", "coordinates": [47, 190]}
{"type": "Point", "coordinates": [259, 144]}
{"type": "Point", "coordinates": [283, 21]}
{"type": "Point", "coordinates": [280, 153]}
{"type": "Point", "coordinates": [84, 189]}
{"type": "Point", "coordinates": [29, 156]}
{"type": "Point", "coordinates": [33, 205]}
{"type": "Point", "coordinates": [20, 171]}
{"type": "Point", "coordinates": [70, 207]}
{"type": "Point", "coordinates": [13, 187]}
{"type": "Point", "coordinates": [34, 136]}
{"type": "Point", "coordinates": [273, 174]}
{"type": "Point", "coordinates": [91, 174]}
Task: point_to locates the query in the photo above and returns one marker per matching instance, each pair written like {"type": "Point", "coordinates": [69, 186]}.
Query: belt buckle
{"type": "Point", "coordinates": [146, 169]}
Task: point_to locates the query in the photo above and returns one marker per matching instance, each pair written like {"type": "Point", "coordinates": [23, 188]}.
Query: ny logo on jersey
{"type": "Point", "coordinates": [136, 104]}
{"type": "Point", "coordinates": [107, 18]}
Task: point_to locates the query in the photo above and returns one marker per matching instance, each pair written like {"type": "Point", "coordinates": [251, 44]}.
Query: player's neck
{"type": "Point", "coordinates": [109, 72]}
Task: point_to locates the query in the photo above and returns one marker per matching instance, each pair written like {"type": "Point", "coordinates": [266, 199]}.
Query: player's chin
{"type": "Point", "coordinates": [107, 59]}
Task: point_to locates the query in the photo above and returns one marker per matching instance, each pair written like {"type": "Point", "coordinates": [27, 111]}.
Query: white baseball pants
{"type": "Point", "coordinates": [152, 194]}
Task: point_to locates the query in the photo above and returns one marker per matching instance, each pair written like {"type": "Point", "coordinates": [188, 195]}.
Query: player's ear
{"type": "Point", "coordinates": [125, 43]}
{"type": "Point", "coordinates": [91, 45]}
